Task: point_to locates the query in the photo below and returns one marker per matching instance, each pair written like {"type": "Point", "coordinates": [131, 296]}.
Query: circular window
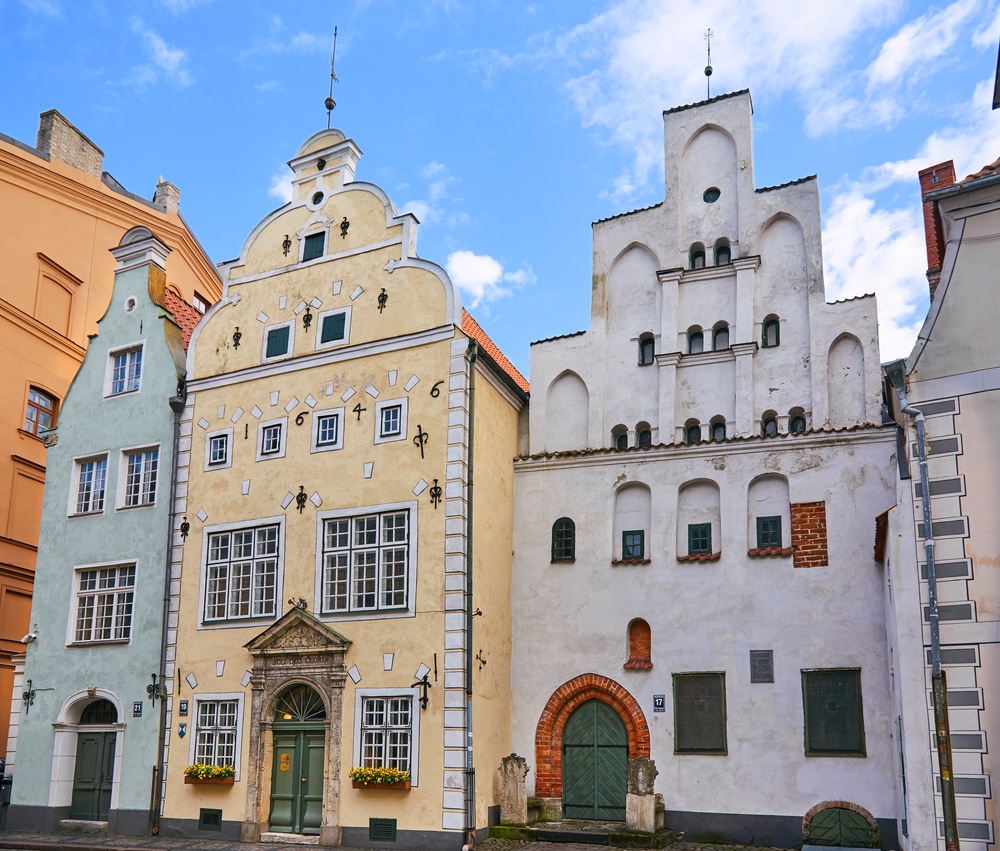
{"type": "Point", "coordinates": [317, 199]}
{"type": "Point", "coordinates": [130, 304]}
{"type": "Point", "coordinates": [711, 195]}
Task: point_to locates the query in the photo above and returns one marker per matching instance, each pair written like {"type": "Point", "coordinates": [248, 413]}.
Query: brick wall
{"type": "Point", "coordinates": [640, 646]}
{"type": "Point", "coordinates": [58, 139]}
{"type": "Point", "coordinates": [809, 548]}
{"type": "Point", "coordinates": [934, 177]}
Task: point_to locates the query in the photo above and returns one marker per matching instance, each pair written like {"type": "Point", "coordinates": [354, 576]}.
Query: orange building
{"type": "Point", "coordinates": [60, 215]}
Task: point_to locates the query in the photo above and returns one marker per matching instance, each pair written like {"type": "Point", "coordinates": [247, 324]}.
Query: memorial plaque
{"type": "Point", "coordinates": [762, 666]}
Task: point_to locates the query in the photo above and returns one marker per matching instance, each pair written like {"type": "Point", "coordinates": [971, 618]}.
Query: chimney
{"type": "Point", "coordinates": [931, 179]}
{"type": "Point", "coordinates": [167, 196]}
{"type": "Point", "coordinates": [59, 139]}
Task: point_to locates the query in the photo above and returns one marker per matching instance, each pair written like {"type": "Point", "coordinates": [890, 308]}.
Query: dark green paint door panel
{"type": "Point", "coordinates": [595, 763]}
{"type": "Point", "coordinates": [95, 761]}
{"type": "Point", "coordinates": [297, 780]}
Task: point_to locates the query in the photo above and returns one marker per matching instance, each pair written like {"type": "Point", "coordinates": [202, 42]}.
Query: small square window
{"type": "Point", "coordinates": [124, 371]}
{"type": "Point", "coordinates": [699, 538]}
{"type": "Point", "coordinates": [277, 341]}
{"type": "Point", "coordinates": [219, 449]}
{"type": "Point", "coordinates": [41, 412]}
{"type": "Point", "coordinates": [314, 246]}
{"type": "Point", "coordinates": [769, 532]}
{"type": "Point", "coordinates": [327, 430]}
{"type": "Point", "coordinates": [634, 544]}
{"type": "Point", "coordinates": [271, 437]}
{"type": "Point", "coordinates": [390, 420]}
{"type": "Point", "coordinates": [333, 328]}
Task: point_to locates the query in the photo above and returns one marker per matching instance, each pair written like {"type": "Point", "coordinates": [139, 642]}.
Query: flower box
{"type": "Point", "coordinates": [402, 785]}
{"type": "Point", "coordinates": [210, 781]}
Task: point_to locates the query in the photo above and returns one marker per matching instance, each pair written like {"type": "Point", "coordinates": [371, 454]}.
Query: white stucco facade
{"type": "Point", "coordinates": [637, 509]}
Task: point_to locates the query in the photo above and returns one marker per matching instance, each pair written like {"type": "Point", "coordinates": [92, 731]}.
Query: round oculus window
{"type": "Point", "coordinates": [711, 195]}
{"type": "Point", "coordinates": [317, 199]}
{"type": "Point", "coordinates": [130, 304]}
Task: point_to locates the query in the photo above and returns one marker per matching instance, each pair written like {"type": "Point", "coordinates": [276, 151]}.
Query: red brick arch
{"type": "Point", "coordinates": [566, 698]}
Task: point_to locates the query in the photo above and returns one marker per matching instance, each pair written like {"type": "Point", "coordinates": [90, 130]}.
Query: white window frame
{"type": "Point", "coordinates": [74, 612]}
{"type": "Point", "coordinates": [291, 342]}
{"type": "Point", "coordinates": [193, 724]}
{"type": "Point", "coordinates": [401, 403]}
{"type": "Point", "coordinates": [330, 344]}
{"type": "Point", "coordinates": [72, 507]}
{"type": "Point", "coordinates": [411, 566]}
{"type": "Point", "coordinates": [414, 695]}
{"type": "Point", "coordinates": [282, 423]}
{"type": "Point", "coordinates": [122, 494]}
{"type": "Point", "coordinates": [138, 346]}
{"type": "Point", "coordinates": [240, 622]}
{"type": "Point", "coordinates": [219, 465]}
{"type": "Point", "coordinates": [316, 446]}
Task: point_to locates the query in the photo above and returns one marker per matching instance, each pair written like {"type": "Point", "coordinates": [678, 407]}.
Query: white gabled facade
{"type": "Point", "coordinates": [695, 519]}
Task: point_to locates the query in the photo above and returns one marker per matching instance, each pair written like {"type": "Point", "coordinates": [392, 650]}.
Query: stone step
{"type": "Point", "coordinates": [72, 825]}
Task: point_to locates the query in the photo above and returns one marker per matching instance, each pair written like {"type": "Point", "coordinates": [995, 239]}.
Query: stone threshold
{"type": "Point", "coordinates": [72, 825]}
{"type": "Point", "coordinates": [289, 839]}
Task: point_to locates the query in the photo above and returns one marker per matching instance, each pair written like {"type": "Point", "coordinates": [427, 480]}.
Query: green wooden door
{"type": "Point", "coordinates": [297, 780]}
{"type": "Point", "coordinates": [94, 772]}
{"type": "Point", "coordinates": [595, 763]}
{"type": "Point", "coordinates": [841, 827]}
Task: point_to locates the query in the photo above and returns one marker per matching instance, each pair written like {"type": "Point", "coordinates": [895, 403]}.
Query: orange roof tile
{"type": "Point", "coordinates": [474, 330]}
{"type": "Point", "coordinates": [985, 170]}
{"type": "Point", "coordinates": [184, 315]}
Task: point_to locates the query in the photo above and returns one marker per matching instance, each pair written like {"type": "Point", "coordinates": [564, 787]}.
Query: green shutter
{"type": "Point", "coordinates": [700, 713]}
{"type": "Point", "coordinates": [333, 327]}
{"type": "Point", "coordinates": [277, 342]}
{"type": "Point", "coordinates": [314, 246]}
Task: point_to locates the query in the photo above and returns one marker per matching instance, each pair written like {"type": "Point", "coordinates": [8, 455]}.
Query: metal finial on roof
{"type": "Point", "coordinates": [708, 67]}
{"type": "Point", "coordinates": [330, 103]}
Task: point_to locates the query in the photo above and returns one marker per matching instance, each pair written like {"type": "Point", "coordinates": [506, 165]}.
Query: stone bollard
{"type": "Point", "coordinates": [640, 803]}
{"type": "Point", "coordinates": [514, 795]}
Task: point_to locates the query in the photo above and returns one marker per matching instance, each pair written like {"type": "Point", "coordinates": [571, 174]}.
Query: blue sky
{"type": "Point", "coordinates": [508, 127]}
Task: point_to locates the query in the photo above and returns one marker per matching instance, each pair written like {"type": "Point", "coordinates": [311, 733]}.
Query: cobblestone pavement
{"type": "Point", "coordinates": [85, 842]}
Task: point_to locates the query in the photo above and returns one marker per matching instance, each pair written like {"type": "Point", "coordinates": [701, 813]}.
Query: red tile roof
{"type": "Point", "coordinates": [475, 331]}
{"type": "Point", "coordinates": [984, 171]}
{"type": "Point", "coordinates": [184, 315]}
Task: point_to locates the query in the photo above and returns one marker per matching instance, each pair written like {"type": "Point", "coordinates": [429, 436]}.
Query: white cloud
{"type": "Point", "coordinates": [432, 207]}
{"type": "Point", "coordinates": [168, 61]}
{"type": "Point", "coordinates": [281, 185]}
{"type": "Point", "coordinates": [481, 278]}
{"type": "Point", "coordinates": [987, 35]}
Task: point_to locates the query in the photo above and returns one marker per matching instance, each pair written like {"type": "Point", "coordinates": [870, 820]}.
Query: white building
{"type": "Point", "coordinates": [694, 576]}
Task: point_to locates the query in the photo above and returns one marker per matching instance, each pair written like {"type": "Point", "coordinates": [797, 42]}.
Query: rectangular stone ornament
{"type": "Point", "coordinates": [762, 666]}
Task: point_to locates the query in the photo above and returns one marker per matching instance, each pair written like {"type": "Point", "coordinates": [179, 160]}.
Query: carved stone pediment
{"type": "Point", "coordinates": [297, 632]}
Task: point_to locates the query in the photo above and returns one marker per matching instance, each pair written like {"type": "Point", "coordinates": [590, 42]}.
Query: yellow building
{"type": "Point", "coordinates": [60, 216]}
{"type": "Point", "coordinates": [324, 617]}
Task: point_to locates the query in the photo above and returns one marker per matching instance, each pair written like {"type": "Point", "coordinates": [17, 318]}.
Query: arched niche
{"type": "Point", "coordinates": [845, 372]}
{"type": "Point", "coordinates": [698, 505]}
{"type": "Point", "coordinates": [633, 509]}
{"type": "Point", "coordinates": [769, 523]}
{"type": "Point", "coordinates": [567, 412]}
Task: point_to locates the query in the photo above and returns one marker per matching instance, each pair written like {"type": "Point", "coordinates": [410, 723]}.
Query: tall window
{"type": "Point", "coordinates": [366, 562]}
{"type": "Point", "coordinates": [720, 337]}
{"type": "Point", "coordinates": [769, 425]}
{"type": "Point", "coordinates": [104, 603]}
{"type": "Point", "coordinates": [771, 333]}
{"type": "Point", "coordinates": [644, 437]}
{"type": "Point", "coordinates": [386, 732]}
{"type": "Point", "coordinates": [126, 370]}
{"type": "Point", "coordinates": [140, 477]}
{"type": "Point", "coordinates": [718, 428]}
{"type": "Point", "coordinates": [91, 483]}
{"type": "Point", "coordinates": [834, 716]}
{"type": "Point", "coordinates": [696, 341]}
{"type": "Point", "coordinates": [216, 732]}
{"type": "Point", "coordinates": [563, 540]}
{"type": "Point", "coordinates": [700, 713]}
{"type": "Point", "coordinates": [241, 574]}
{"type": "Point", "coordinates": [41, 411]}
{"type": "Point", "coordinates": [218, 448]}
{"type": "Point", "coordinates": [646, 350]}
{"type": "Point", "coordinates": [692, 433]}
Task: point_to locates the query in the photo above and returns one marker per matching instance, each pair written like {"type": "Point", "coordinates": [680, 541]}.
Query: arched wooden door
{"type": "Point", "coordinates": [595, 763]}
{"type": "Point", "coordinates": [297, 772]}
{"type": "Point", "coordinates": [95, 763]}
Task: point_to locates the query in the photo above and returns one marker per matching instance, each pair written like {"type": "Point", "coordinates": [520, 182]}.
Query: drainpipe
{"type": "Point", "coordinates": [176, 405]}
{"type": "Point", "coordinates": [896, 373]}
{"type": "Point", "coordinates": [470, 769]}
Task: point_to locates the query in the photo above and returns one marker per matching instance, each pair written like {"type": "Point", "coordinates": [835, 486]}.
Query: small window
{"type": "Point", "coordinates": [271, 436]}
{"type": "Point", "coordinates": [720, 337]}
{"type": "Point", "coordinates": [700, 713]}
{"type": "Point", "coordinates": [796, 421]}
{"type": "Point", "coordinates": [387, 732]}
{"type": "Point", "coordinates": [104, 601]}
{"type": "Point", "coordinates": [723, 255]}
{"type": "Point", "coordinates": [696, 342]}
{"type": "Point", "coordinates": [621, 441]}
{"type": "Point", "coordinates": [218, 449]}
{"type": "Point", "coordinates": [199, 302]}
{"type": "Point", "coordinates": [327, 429]}
{"type": "Point", "coordinates": [769, 532]}
{"type": "Point", "coordinates": [313, 247]}
{"type": "Point", "coordinates": [771, 335]}
{"type": "Point", "coordinates": [699, 538]}
{"type": "Point", "coordinates": [711, 195]}
{"type": "Point", "coordinates": [634, 544]}
{"type": "Point", "coordinates": [126, 371]}
{"type": "Point", "coordinates": [333, 328]}
{"type": "Point", "coordinates": [41, 412]}
{"type": "Point", "coordinates": [719, 430]}
{"type": "Point", "coordinates": [769, 426]}
{"type": "Point", "coordinates": [834, 716]}
{"type": "Point", "coordinates": [141, 474]}
{"type": "Point", "coordinates": [644, 437]}
{"type": "Point", "coordinates": [698, 259]}
{"type": "Point", "coordinates": [692, 433]}
{"type": "Point", "coordinates": [390, 420]}
{"type": "Point", "coordinates": [216, 732]}
{"type": "Point", "coordinates": [91, 477]}
{"type": "Point", "coordinates": [277, 341]}
{"type": "Point", "coordinates": [563, 540]}
{"type": "Point", "coordinates": [646, 350]}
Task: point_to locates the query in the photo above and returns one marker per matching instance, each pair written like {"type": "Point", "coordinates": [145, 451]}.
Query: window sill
{"type": "Point", "coordinates": [400, 786]}
{"type": "Point", "coordinates": [563, 561]}
{"type": "Point", "coordinates": [769, 552]}
{"type": "Point", "coordinates": [638, 665]}
{"type": "Point", "coordinates": [617, 561]}
{"type": "Point", "coordinates": [123, 393]}
{"type": "Point", "coordinates": [134, 507]}
{"type": "Point", "coordinates": [31, 434]}
{"type": "Point", "coordinates": [86, 513]}
{"type": "Point", "coordinates": [209, 781]}
{"type": "Point", "coordinates": [698, 557]}
{"type": "Point", "coordinates": [101, 642]}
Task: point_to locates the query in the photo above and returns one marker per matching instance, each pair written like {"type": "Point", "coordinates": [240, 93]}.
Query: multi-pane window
{"type": "Point", "coordinates": [218, 448]}
{"type": "Point", "coordinates": [126, 371]}
{"type": "Point", "coordinates": [634, 544]}
{"type": "Point", "coordinates": [277, 341]}
{"type": "Point", "coordinates": [104, 603]}
{"type": "Point", "coordinates": [769, 531]}
{"type": "Point", "coordinates": [563, 540]}
{"type": "Point", "coordinates": [699, 538]}
{"type": "Point", "coordinates": [215, 735]}
{"type": "Point", "coordinates": [390, 420]}
{"type": "Point", "coordinates": [700, 713]}
{"type": "Point", "coordinates": [242, 574]}
{"type": "Point", "coordinates": [834, 717]}
{"type": "Point", "coordinates": [386, 732]}
{"type": "Point", "coordinates": [327, 429]}
{"type": "Point", "coordinates": [41, 412]}
{"type": "Point", "coordinates": [140, 477]}
{"type": "Point", "coordinates": [91, 483]}
{"type": "Point", "coordinates": [365, 562]}
{"type": "Point", "coordinates": [270, 439]}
